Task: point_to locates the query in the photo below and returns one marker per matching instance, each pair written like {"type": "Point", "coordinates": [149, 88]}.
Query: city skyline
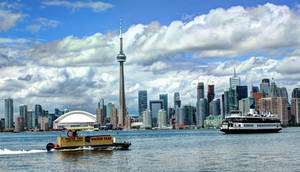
{"type": "Point", "coordinates": [44, 61]}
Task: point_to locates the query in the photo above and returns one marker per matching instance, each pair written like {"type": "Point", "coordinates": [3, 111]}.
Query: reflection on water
{"type": "Point", "coordinates": [74, 156]}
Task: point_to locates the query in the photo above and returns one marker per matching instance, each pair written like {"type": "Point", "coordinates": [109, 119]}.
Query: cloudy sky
{"type": "Point", "coordinates": [62, 54]}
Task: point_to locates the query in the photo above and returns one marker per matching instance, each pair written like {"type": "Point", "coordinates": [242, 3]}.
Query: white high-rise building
{"type": "Point", "coordinates": [162, 119]}
{"type": "Point", "coordinates": [147, 119]}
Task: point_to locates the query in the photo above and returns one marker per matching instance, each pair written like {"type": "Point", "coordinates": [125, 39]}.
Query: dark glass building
{"type": "Point", "coordinates": [164, 98]}
{"type": "Point", "coordinates": [230, 101]}
{"type": "Point", "coordinates": [255, 89]}
{"type": "Point", "coordinates": [241, 92]}
{"type": "Point", "coordinates": [210, 93]}
{"type": "Point", "coordinates": [215, 107]}
{"type": "Point", "coordinates": [176, 100]}
{"type": "Point", "coordinates": [9, 113]}
{"type": "Point", "coordinates": [296, 93]}
{"type": "Point", "coordinates": [200, 90]}
{"type": "Point", "coordinates": [142, 101]}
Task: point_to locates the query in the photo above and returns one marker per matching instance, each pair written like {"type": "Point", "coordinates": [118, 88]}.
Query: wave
{"type": "Point", "coordinates": [12, 152]}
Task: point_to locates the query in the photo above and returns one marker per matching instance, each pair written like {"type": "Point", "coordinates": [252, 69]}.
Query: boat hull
{"type": "Point", "coordinates": [114, 146]}
{"type": "Point", "coordinates": [244, 131]}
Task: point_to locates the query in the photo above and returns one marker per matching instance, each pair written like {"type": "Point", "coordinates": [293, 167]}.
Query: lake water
{"type": "Point", "coordinates": [164, 150]}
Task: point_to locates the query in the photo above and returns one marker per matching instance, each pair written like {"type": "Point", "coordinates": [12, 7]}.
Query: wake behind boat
{"type": "Point", "coordinates": [98, 142]}
{"type": "Point", "coordinates": [251, 123]}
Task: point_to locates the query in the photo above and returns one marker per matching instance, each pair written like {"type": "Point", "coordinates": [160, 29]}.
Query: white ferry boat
{"type": "Point", "coordinates": [251, 123]}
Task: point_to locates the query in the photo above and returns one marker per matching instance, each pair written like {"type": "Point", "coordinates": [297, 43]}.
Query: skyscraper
{"type": "Point", "coordinates": [254, 89]}
{"type": "Point", "coordinates": [245, 104]}
{"type": "Point", "coordinates": [264, 87]}
{"type": "Point", "coordinates": [273, 90]}
{"type": "Point", "coordinates": [295, 112]}
{"type": "Point", "coordinates": [44, 123]}
{"type": "Point", "coordinates": [200, 90]}
{"type": "Point", "coordinates": [29, 120]}
{"type": "Point", "coordinates": [102, 106]}
{"type": "Point", "coordinates": [9, 113]}
{"type": "Point", "coordinates": [162, 116]}
{"type": "Point", "coordinates": [241, 92]}
{"type": "Point", "coordinates": [176, 100]}
{"type": "Point", "coordinates": [180, 117]}
{"type": "Point", "coordinates": [122, 105]}
{"type": "Point", "coordinates": [108, 109]}
{"type": "Point", "coordinates": [230, 101]}
{"type": "Point", "coordinates": [142, 101]}
{"type": "Point", "coordinates": [234, 81]}
{"type": "Point", "coordinates": [99, 116]}
{"type": "Point", "coordinates": [275, 105]}
{"type": "Point", "coordinates": [210, 93]}
{"type": "Point", "coordinates": [19, 125]}
{"type": "Point", "coordinates": [114, 117]}
{"type": "Point", "coordinates": [200, 116]}
{"type": "Point", "coordinates": [215, 107]}
{"type": "Point", "coordinates": [189, 115]}
{"type": "Point", "coordinates": [257, 96]}
{"type": "Point", "coordinates": [164, 98]}
{"type": "Point", "coordinates": [296, 93]}
{"type": "Point", "coordinates": [155, 106]}
{"type": "Point", "coordinates": [38, 111]}
{"type": "Point", "coordinates": [282, 92]}
{"type": "Point", "coordinates": [147, 119]}
{"type": "Point", "coordinates": [223, 106]}
{"type": "Point", "coordinates": [51, 118]}
{"type": "Point", "coordinates": [202, 111]}
{"type": "Point", "coordinates": [24, 114]}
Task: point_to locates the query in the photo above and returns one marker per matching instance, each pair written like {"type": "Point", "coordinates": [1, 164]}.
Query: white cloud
{"type": "Point", "coordinates": [96, 6]}
{"type": "Point", "coordinates": [8, 19]}
{"type": "Point", "coordinates": [289, 65]}
{"type": "Point", "coordinates": [42, 24]}
{"type": "Point", "coordinates": [221, 33]}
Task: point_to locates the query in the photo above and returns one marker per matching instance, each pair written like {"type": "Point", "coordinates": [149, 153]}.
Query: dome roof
{"type": "Point", "coordinates": [76, 117]}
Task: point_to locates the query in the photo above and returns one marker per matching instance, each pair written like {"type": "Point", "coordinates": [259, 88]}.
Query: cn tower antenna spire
{"type": "Point", "coordinates": [121, 37]}
{"type": "Point", "coordinates": [120, 27]}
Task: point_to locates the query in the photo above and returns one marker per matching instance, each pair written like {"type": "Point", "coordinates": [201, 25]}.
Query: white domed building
{"type": "Point", "coordinates": [74, 119]}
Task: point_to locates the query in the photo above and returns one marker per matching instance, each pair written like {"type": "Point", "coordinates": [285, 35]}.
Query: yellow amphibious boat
{"type": "Point", "coordinates": [75, 142]}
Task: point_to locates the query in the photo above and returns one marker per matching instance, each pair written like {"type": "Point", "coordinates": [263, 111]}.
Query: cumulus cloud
{"type": "Point", "coordinates": [221, 33]}
{"type": "Point", "coordinates": [259, 64]}
{"type": "Point", "coordinates": [11, 50]}
{"type": "Point", "coordinates": [91, 50]}
{"type": "Point", "coordinates": [80, 87]}
{"type": "Point", "coordinates": [96, 6]}
{"type": "Point", "coordinates": [289, 65]}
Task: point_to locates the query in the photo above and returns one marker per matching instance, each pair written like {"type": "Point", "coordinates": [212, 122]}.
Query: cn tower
{"type": "Point", "coordinates": [122, 105]}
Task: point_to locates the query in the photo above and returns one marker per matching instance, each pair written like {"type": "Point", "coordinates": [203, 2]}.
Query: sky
{"type": "Point", "coordinates": [62, 54]}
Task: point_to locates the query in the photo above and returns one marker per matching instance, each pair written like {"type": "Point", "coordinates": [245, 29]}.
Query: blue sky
{"type": "Point", "coordinates": [60, 53]}
{"type": "Point", "coordinates": [85, 21]}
